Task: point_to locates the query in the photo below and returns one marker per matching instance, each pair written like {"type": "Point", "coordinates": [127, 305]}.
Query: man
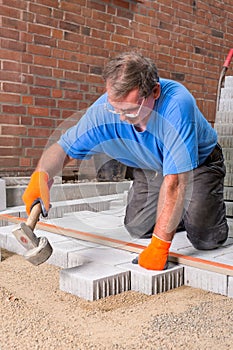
{"type": "Point", "coordinates": [153, 125]}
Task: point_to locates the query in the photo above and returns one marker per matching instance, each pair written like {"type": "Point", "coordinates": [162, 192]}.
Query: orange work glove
{"type": "Point", "coordinates": [38, 191]}
{"type": "Point", "coordinates": [154, 257]}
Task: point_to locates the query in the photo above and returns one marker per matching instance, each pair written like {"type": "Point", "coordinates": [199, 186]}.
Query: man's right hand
{"type": "Point", "coordinates": [38, 191]}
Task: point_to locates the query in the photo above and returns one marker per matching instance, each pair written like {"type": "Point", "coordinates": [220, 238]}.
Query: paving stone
{"type": "Point", "coordinates": [206, 280]}
{"type": "Point", "coordinates": [153, 282]}
{"type": "Point", "coordinates": [225, 104]}
{"type": "Point", "coordinates": [227, 93]}
{"type": "Point", "coordinates": [224, 117]}
{"type": "Point", "coordinates": [224, 129]}
{"type": "Point", "coordinates": [226, 141]}
{"type": "Point", "coordinates": [229, 208]}
{"type": "Point", "coordinates": [94, 281]}
{"type": "Point", "coordinates": [62, 250]}
{"type": "Point", "coordinates": [9, 242]}
{"type": "Point", "coordinates": [230, 287]}
{"type": "Point", "coordinates": [3, 237]}
{"type": "Point", "coordinates": [230, 224]}
{"type": "Point", "coordinates": [100, 254]}
{"type": "Point", "coordinates": [228, 154]}
{"type": "Point", "coordinates": [228, 83]}
{"type": "Point", "coordinates": [2, 195]}
{"type": "Point", "coordinates": [228, 180]}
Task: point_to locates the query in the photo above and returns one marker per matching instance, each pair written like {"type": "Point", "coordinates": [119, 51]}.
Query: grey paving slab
{"type": "Point", "coordinates": [224, 117]}
{"type": "Point", "coordinates": [227, 92]}
{"type": "Point", "coordinates": [62, 250]}
{"type": "Point", "coordinates": [2, 195]}
{"type": "Point", "coordinates": [104, 255]}
{"type": "Point", "coordinates": [230, 287]}
{"type": "Point", "coordinates": [223, 129]}
{"type": "Point", "coordinates": [154, 282]}
{"type": "Point", "coordinates": [206, 280]}
{"type": "Point", "coordinates": [9, 242]}
{"type": "Point", "coordinates": [226, 141]}
{"type": "Point", "coordinates": [228, 83]}
{"type": "Point", "coordinates": [3, 237]}
{"type": "Point", "coordinates": [93, 281]}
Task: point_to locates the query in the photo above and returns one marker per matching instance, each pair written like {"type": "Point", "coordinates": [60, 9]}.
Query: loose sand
{"type": "Point", "coordinates": [35, 314]}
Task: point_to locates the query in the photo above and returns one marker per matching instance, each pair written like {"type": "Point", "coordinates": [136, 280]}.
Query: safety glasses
{"type": "Point", "coordinates": [125, 112]}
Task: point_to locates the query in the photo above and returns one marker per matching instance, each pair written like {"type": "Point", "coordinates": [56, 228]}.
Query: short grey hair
{"type": "Point", "coordinates": [128, 71]}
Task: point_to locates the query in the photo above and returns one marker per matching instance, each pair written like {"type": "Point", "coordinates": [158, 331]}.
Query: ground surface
{"type": "Point", "coordinates": [35, 314]}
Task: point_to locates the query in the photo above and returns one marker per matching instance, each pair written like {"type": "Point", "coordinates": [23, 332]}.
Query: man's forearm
{"type": "Point", "coordinates": [53, 160]}
{"type": "Point", "coordinates": [170, 205]}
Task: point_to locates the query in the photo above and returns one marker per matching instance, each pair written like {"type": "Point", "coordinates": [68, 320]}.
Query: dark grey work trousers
{"type": "Point", "coordinates": [204, 214]}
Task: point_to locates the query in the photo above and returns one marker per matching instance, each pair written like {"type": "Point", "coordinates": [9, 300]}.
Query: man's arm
{"type": "Point", "coordinates": [169, 213]}
{"type": "Point", "coordinates": [170, 205]}
{"type": "Point", "coordinates": [50, 164]}
{"type": "Point", "coordinates": [53, 160]}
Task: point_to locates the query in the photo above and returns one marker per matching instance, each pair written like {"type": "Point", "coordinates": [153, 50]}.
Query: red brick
{"type": "Point", "coordinates": [27, 100]}
{"type": "Point", "coordinates": [9, 11]}
{"type": "Point", "coordinates": [47, 102]}
{"type": "Point", "coordinates": [45, 61]}
{"type": "Point", "coordinates": [9, 98]}
{"type": "Point", "coordinates": [8, 162]}
{"type": "Point", "coordinates": [9, 141]}
{"type": "Point", "coordinates": [13, 109]}
{"type": "Point", "coordinates": [17, 88]}
{"type": "Point", "coordinates": [33, 152]}
{"type": "Point", "coordinates": [13, 45]}
{"type": "Point", "coordinates": [11, 151]}
{"type": "Point", "coordinates": [40, 132]}
{"type": "Point", "coordinates": [39, 50]}
{"type": "Point", "coordinates": [26, 142]}
{"type": "Point", "coordinates": [41, 91]}
{"type": "Point", "coordinates": [67, 104]}
{"type": "Point", "coordinates": [44, 122]}
{"type": "Point", "coordinates": [13, 130]}
{"type": "Point", "coordinates": [38, 111]}
{"type": "Point", "coordinates": [39, 29]}
{"type": "Point", "coordinates": [57, 93]}
{"type": "Point", "coordinates": [25, 162]}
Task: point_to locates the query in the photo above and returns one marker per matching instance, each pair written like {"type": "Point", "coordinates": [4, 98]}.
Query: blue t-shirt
{"type": "Point", "coordinates": [177, 137]}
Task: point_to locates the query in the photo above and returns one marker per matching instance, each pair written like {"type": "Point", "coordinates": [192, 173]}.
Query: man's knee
{"type": "Point", "coordinates": [210, 239]}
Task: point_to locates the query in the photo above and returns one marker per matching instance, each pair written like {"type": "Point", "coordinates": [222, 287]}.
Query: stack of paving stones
{"type": "Point", "coordinates": [224, 127]}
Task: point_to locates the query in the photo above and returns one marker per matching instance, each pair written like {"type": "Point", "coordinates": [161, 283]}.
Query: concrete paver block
{"type": "Point", "coordinates": [104, 255]}
{"type": "Point", "coordinates": [3, 237]}
{"type": "Point", "coordinates": [153, 282]}
{"type": "Point", "coordinates": [207, 280]}
{"type": "Point", "coordinates": [228, 83]}
{"type": "Point", "coordinates": [61, 251]}
{"type": "Point", "coordinates": [230, 287]}
{"type": "Point", "coordinates": [9, 242]}
{"type": "Point", "coordinates": [94, 281]}
{"type": "Point", "coordinates": [224, 129]}
{"type": "Point", "coordinates": [226, 141]}
{"type": "Point", "coordinates": [2, 194]}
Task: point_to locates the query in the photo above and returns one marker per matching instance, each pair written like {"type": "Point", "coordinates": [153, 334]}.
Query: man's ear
{"type": "Point", "coordinates": [156, 91]}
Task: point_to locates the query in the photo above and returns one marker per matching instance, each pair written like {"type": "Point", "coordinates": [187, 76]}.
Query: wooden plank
{"type": "Point", "coordinates": [128, 246]}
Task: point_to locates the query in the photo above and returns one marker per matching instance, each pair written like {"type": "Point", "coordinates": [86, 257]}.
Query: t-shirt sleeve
{"type": "Point", "coordinates": [79, 141]}
{"type": "Point", "coordinates": [82, 140]}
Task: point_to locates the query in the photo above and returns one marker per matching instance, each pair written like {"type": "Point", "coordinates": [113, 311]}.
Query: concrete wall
{"type": "Point", "coordinates": [52, 53]}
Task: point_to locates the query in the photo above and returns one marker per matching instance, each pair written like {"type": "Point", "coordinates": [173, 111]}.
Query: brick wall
{"type": "Point", "coordinates": [52, 53]}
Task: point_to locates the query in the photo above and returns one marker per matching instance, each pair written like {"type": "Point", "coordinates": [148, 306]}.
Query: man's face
{"type": "Point", "coordinates": [132, 108]}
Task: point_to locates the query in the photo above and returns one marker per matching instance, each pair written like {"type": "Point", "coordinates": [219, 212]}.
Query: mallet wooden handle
{"type": "Point", "coordinates": [34, 216]}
